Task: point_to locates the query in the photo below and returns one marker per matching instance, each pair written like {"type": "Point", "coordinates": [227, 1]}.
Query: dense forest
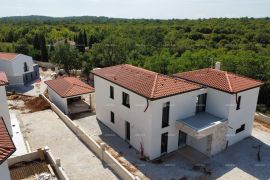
{"type": "Point", "coordinates": [165, 46]}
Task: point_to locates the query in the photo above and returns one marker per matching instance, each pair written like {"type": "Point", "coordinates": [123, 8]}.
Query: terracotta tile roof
{"type": "Point", "coordinates": [3, 78]}
{"type": "Point", "coordinates": [221, 80]}
{"type": "Point", "coordinates": [7, 147]}
{"type": "Point", "coordinates": [69, 86]}
{"type": "Point", "coordinates": [7, 56]}
{"type": "Point", "coordinates": [145, 83]}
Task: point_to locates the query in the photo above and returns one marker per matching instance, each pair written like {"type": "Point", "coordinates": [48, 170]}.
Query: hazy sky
{"type": "Point", "coordinates": [161, 9]}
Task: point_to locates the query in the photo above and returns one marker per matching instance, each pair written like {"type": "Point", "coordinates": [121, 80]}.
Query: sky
{"type": "Point", "coordinates": [155, 9]}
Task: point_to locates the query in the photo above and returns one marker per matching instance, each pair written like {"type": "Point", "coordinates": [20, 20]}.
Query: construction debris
{"type": "Point", "coordinates": [45, 176]}
{"type": "Point", "coordinates": [31, 104]}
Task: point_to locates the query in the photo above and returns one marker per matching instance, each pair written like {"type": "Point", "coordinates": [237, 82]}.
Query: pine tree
{"type": "Point", "coordinates": [80, 44]}
{"type": "Point", "coordinates": [43, 48]}
{"type": "Point", "coordinates": [85, 38]}
{"type": "Point", "coordinates": [36, 42]}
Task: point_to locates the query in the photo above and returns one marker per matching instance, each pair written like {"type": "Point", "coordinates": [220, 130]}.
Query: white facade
{"type": "Point", "coordinates": [146, 127]}
{"type": "Point", "coordinates": [4, 112]}
{"type": "Point", "coordinates": [60, 102]}
{"type": "Point", "coordinates": [4, 171]}
{"type": "Point", "coordinates": [15, 71]}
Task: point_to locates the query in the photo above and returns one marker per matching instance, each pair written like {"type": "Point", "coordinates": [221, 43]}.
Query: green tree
{"type": "Point", "coordinates": [66, 57]}
{"type": "Point", "coordinates": [43, 48]}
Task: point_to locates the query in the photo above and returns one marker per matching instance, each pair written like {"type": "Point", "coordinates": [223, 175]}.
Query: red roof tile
{"type": "Point", "coordinates": [3, 78]}
{"type": "Point", "coordinates": [145, 83]}
{"type": "Point", "coordinates": [69, 86]}
{"type": "Point", "coordinates": [7, 147]}
{"type": "Point", "coordinates": [7, 56]}
{"type": "Point", "coordinates": [221, 80]}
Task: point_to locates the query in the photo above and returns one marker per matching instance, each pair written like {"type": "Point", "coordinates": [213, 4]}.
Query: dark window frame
{"type": "Point", "coordinates": [125, 99]}
{"type": "Point", "coordinates": [238, 103]}
{"type": "Point", "coordinates": [111, 92]}
{"type": "Point", "coordinates": [165, 114]}
{"type": "Point", "coordinates": [26, 68]}
{"type": "Point", "coordinates": [112, 117]}
{"type": "Point", "coordinates": [242, 128]}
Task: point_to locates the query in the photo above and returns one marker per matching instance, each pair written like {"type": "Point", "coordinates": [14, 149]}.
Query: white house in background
{"type": "Point", "coordinates": [19, 68]}
{"type": "Point", "coordinates": [7, 147]}
{"type": "Point", "coordinates": [158, 114]}
{"type": "Point", "coordinates": [67, 94]}
{"type": "Point", "coordinates": [4, 112]}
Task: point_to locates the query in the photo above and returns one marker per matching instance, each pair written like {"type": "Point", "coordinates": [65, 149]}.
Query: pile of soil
{"type": "Point", "coordinates": [32, 104]}
{"type": "Point", "coordinates": [36, 104]}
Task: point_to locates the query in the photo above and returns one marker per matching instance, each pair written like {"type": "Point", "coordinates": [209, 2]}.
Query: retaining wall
{"type": "Point", "coordinates": [38, 155]}
{"type": "Point", "coordinates": [262, 117]}
{"type": "Point", "coordinates": [101, 153]}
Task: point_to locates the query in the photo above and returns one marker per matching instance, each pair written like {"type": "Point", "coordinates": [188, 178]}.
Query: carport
{"type": "Point", "coordinates": [71, 95]}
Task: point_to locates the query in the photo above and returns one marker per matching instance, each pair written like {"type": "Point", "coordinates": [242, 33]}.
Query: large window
{"type": "Point", "coordinates": [201, 103]}
{"type": "Point", "coordinates": [165, 114]}
{"type": "Point", "coordinates": [111, 92]}
{"type": "Point", "coordinates": [112, 117]}
{"type": "Point", "coordinates": [126, 100]}
{"type": "Point", "coordinates": [238, 103]}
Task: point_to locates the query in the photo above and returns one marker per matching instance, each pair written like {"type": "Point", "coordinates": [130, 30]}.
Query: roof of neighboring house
{"type": "Point", "coordinates": [220, 80]}
{"type": "Point", "coordinates": [7, 147]}
{"type": "Point", "coordinates": [3, 78]}
{"type": "Point", "coordinates": [7, 56]}
{"type": "Point", "coordinates": [144, 82]}
{"type": "Point", "coordinates": [69, 86]}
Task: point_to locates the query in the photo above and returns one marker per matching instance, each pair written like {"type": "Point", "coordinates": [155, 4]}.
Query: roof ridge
{"type": "Point", "coordinates": [229, 83]}
{"type": "Point", "coordinates": [140, 68]}
{"type": "Point", "coordinates": [154, 86]}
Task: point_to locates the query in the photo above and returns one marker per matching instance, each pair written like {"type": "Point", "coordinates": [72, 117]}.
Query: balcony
{"type": "Point", "coordinates": [200, 125]}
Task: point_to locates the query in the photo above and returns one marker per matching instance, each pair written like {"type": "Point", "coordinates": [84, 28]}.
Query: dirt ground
{"type": "Point", "coordinates": [44, 128]}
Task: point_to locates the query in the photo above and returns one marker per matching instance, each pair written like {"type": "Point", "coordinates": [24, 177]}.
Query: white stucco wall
{"type": "Point", "coordinates": [4, 171]}
{"type": "Point", "coordinates": [223, 105]}
{"type": "Point", "coordinates": [181, 106]}
{"type": "Point", "coordinates": [4, 112]}
{"type": "Point", "coordinates": [146, 127]}
{"type": "Point", "coordinates": [218, 103]}
{"type": "Point", "coordinates": [14, 69]}
{"type": "Point", "coordinates": [245, 115]}
{"type": "Point", "coordinates": [140, 121]}
{"type": "Point", "coordinates": [60, 102]}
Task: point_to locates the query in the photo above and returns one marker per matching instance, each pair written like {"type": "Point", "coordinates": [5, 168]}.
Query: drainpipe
{"type": "Point", "coordinates": [147, 105]}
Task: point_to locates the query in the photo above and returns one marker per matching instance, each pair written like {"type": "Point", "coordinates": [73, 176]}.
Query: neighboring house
{"type": "Point", "coordinates": [7, 147]}
{"type": "Point", "coordinates": [19, 68]}
{"type": "Point", "coordinates": [158, 114]}
{"type": "Point", "coordinates": [4, 112]}
{"type": "Point", "coordinates": [66, 93]}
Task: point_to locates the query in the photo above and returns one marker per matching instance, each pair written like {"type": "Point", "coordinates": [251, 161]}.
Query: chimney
{"type": "Point", "coordinates": [217, 65]}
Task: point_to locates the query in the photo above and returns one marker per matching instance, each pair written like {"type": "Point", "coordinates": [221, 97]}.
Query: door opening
{"type": "Point", "coordinates": [164, 143]}
{"type": "Point", "coordinates": [182, 139]}
{"type": "Point", "coordinates": [127, 131]}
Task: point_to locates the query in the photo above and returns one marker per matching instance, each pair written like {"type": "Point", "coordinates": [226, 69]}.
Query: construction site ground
{"type": "Point", "coordinates": [239, 160]}
{"type": "Point", "coordinates": [44, 128]}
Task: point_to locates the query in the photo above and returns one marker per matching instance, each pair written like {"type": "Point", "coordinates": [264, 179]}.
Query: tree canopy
{"type": "Point", "coordinates": [242, 45]}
